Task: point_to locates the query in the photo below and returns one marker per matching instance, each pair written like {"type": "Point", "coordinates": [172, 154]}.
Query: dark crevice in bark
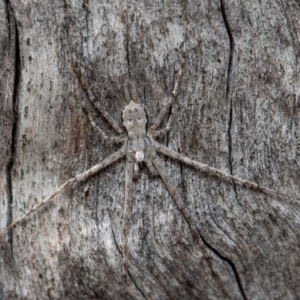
{"type": "Point", "coordinates": [127, 57]}
{"type": "Point", "coordinates": [229, 71]}
{"type": "Point", "coordinates": [228, 84]}
{"type": "Point", "coordinates": [168, 133]}
{"type": "Point", "coordinates": [144, 101]}
{"type": "Point", "coordinates": [127, 47]}
{"type": "Point", "coordinates": [9, 168]}
{"type": "Point", "coordinates": [230, 263]}
{"type": "Point", "coordinates": [183, 183]}
{"type": "Point", "coordinates": [137, 287]}
{"type": "Point", "coordinates": [211, 214]}
{"type": "Point", "coordinates": [6, 4]}
{"type": "Point", "coordinates": [225, 259]}
{"type": "Point", "coordinates": [115, 241]}
{"type": "Point", "coordinates": [85, 6]}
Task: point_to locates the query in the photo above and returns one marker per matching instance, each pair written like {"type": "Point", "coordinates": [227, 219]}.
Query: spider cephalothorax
{"type": "Point", "coordinates": [135, 120]}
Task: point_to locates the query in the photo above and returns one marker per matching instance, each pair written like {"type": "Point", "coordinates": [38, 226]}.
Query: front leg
{"type": "Point", "coordinates": [115, 140]}
{"type": "Point", "coordinates": [81, 177]}
{"type": "Point", "coordinates": [175, 91]}
{"type": "Point", "coordinates": [173, 97]}
{"type": "Point", "coordinates": [92, 98]}
{"type": "Point", "coordinates": [159, 133]}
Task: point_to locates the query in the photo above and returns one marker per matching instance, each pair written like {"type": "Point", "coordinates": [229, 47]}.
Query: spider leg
{"type": "Point", "coordinates": [103, 112]}
{"type": "Point", "coordinates": [187, 216]}
{"type": "Point", "coordinates": [159, 133]}
{"type": "Point", "coordinates": [172, 190]}
{"type": "Point", "coordinates": [151, 168]}
{"type": "Point", "coordinates": [126, 214]}
{"type": "Point", "coordinates": [132, 95]}
{"type": "Point", "coordinates": [115, 140]}
{"type": "Point", "coordinates": [126, 92]}
{"type": "Point", "coordinates": [135, 170]}
{"type": "Point", "coordinates": [174, 94]}
{"type": "Point", "coordinates": [205, 168]}
{"type": "Point", "coordinates": [83, 176]}
{"type": "Point", "coordinates": [38, 206]}
{"type": "Point", "coordinates": [104, 163]}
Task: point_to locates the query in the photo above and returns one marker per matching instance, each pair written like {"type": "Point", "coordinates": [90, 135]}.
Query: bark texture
{"type": "Point", "coordinates": [238, 110]}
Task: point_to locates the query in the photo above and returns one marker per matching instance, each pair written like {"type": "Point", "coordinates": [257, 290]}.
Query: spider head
{"type": "Point", "coordinates": [135, 120]}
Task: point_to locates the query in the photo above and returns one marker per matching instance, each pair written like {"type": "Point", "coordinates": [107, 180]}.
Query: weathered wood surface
{"type": "Point", "coordinates": [237, 110]}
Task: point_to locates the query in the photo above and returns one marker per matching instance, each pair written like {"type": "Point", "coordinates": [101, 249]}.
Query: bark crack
{"type": "Point", "coordinates": [127, 46]}
{"type": "Point", "coordinates": [6, 4]}
{"type": "Point", "coordinates": [183, 182]}
{"type": "Point", "coordinates": [114, 237]}
{"type": "Point", "coordinates": [229, 73]}
{"type": "Point", "coordinates": [227, 260]}
{"type": "Point", "coordinates": [135, 284]}
{"type": "Point", "coordinates": [228, 85]}
{"type": "Point", "coordinates": [9, 168]}
{"type": "Point", "coordinates": [168, 133]}
{"type": "Point", "coordinates": [85, 6]}
{"type": "Point", "coordinates": [231, 265]}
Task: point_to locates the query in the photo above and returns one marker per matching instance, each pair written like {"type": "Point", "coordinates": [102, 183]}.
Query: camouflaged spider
{"type": "Point", "coordinates": [140, 147]}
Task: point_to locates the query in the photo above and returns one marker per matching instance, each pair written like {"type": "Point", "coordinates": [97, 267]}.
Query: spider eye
{"type": "Point", "coordinates": [129, 120]}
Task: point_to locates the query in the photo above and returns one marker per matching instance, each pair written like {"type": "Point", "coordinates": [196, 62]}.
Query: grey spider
{"type": "Point", "coordinates": [140, 147]}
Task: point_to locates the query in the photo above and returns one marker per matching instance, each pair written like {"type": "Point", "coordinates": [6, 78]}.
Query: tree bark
{"type": "Point", "coordinates": [238, 110]}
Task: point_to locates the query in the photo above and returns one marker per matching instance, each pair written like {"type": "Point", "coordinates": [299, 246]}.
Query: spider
{"type": "Point", "coordinates": [139, 147]}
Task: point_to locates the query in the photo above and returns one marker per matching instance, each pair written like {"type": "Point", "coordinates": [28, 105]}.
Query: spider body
{"type": "Point", "coordinates": [138, 144]}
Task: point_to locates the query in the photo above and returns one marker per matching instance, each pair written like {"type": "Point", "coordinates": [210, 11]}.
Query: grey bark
{"type": "Point", "coordinates": [237, 110]}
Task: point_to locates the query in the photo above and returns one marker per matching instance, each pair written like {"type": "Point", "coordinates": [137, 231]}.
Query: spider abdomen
{"type": "Point", "coordinates": [139, 149]}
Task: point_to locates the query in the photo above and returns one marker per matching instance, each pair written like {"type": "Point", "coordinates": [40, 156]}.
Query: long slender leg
{"type": "Point", "coordinates": [38, 206]}
{"type": "Point", "coordinates": [126, 92]}
{"type": "Point", "coordinates": [173, 97]}
{"type": "Point", "coordinates": [127, 207]}
{"type": "Point", "coordinates": [174, 94]}
{"type": "Point", "coordinates": [188, 218]}
{"type": "Point", "coordinates": [177, 199]}
{"type": "Point", "coordinates": [104, 163]}
{"type": "Point", "coordinates": [133, 92]}
{"type": "Point", "coordinates": [132, 95]}
{"type": "Point", "coordinates": [205, 168]}
{"type": "Point", "coordinates": [83, 176]}
{"type": "Point", "coordinates": [115, 140]}
{"type": "Point", "coordinates": [165, 130]}
{"type": "Point", "coordinates": [104, 113]}
{"type": "Point", "coordinates": [152, 170]}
